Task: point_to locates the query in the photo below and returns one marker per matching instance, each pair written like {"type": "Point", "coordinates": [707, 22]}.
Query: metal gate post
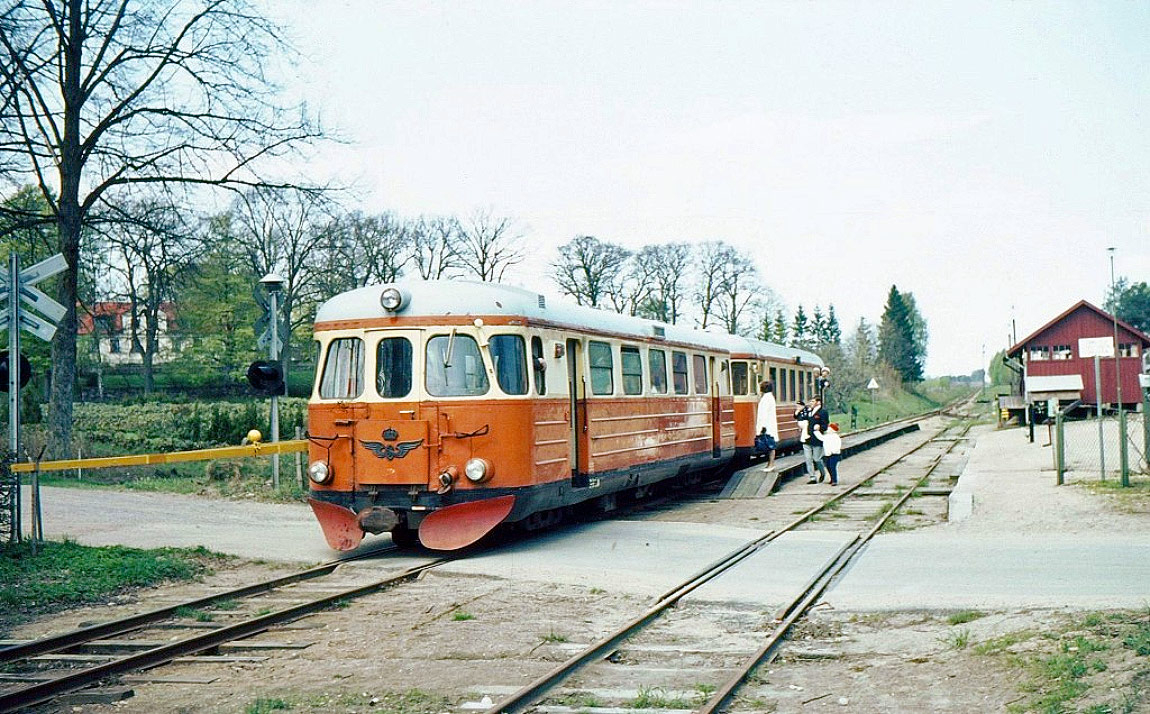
{"type": "Point", "coordinates": [1059, 447]}
{"type": "Point", "coordinates": [1123, 448]}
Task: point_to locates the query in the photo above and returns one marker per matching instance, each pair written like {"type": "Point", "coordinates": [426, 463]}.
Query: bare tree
{"type": "Point", "coordinates": [100, 96]}
{"type": "Point", "coordinates": [711, 259]}
{"type": "Point", "coordinates": [155, 245]}
{"type": "Point", "coordinates": [667, 267]}
{"type": "Point", "coordinates": [489, 245]}
{"type": "Point", "coordinates": [434, 244]}
{"type": "Point", "coordinates": [587, 268]}
{"type": "Point", "coordinates": [740, 291]}
{"type": "Point", "coordinates": [281, 231]}
{"type": "Point", "coordinates": [362, 250]}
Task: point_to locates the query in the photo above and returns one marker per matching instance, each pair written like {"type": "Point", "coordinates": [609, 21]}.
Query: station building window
{"type": "Point", "coordinates": [679, 372]}
{"type": "Point", "coordinates": [1127, 349]}
{"type": "Point", "coordinates": [631, 363]}
{"type": "Point", "coordinates": [602, 368]}
{"type": "Point", "coordinates": [1063, 352]}
{"type": "Point", "coordinates": [454, 367]}
{"type": "Point", "coordinates": [657, 364]}
{"type": "Point", "coordinates": [393, 367]}
{"type": "Point", "coordinates": [343, 369]}
{"type": "Point", "coordinates": [1039, 353]}
{"type": "Point", "coordinates": [508, 354]}
{"type": "Point", "coordinates": [700, 363]}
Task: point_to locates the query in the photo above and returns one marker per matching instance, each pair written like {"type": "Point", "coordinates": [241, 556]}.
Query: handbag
{"type": "Point", "coordinates": [764, 443]}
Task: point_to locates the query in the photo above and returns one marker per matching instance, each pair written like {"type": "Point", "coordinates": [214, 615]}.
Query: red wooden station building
{"type": "Point", "coordinates": [1053, 367]}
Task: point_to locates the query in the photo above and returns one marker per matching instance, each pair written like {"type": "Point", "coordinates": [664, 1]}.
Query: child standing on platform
{"type": "Point", "coordinates": [833, 449]}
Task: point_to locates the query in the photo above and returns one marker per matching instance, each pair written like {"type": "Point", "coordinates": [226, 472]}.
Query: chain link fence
{"type": "Point", "coordinates": [1112, 447]}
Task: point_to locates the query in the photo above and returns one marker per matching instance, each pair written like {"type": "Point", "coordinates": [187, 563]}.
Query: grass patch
{"type": "Point", "coordinates": [957, 640]}
{"type": "Point", "coordinates": [965, 616]}
{"type": "Point", "coordinates": [63, 574]}
{"type": "Point", "coordinates": [1134, 499]}
{"type": "Point", "coordinates": [658, 698]}
{"type": "Point", "coordinates": [1082, 664]}
{"type": "Point", "coordinates": [553, 637]}
{"type": "Point", "coordinates": [189, 613]}
{"type": "Point", "coordinates": [413, 701]}
{"type": "Point", "coordinates": [462, 615]}
{"type": "Point", "coordinates": [576, 700]}
{"type": "Point", "coordinates": [264, 706]}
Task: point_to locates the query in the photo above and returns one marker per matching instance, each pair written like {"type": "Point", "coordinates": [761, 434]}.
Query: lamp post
{"type": "Point", "coordinates": [274, 284]}
{"type": "Point", "coordinates": [1117, 350]}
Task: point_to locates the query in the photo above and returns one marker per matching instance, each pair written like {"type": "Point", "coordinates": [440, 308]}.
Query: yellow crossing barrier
{"type": "Point", "coordinates": [224, 452]}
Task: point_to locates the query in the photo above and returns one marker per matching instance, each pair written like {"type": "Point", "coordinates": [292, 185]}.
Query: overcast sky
{"type": "Point", "coordinates": [981, 156]}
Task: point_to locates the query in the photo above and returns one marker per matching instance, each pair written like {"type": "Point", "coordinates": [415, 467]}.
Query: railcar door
{"type": "Point", "coordinates": [392, 441]}
{"type": "Point", "coordinates": [577, 408]}
{"type": "Point", "coordinates": [716, 412]}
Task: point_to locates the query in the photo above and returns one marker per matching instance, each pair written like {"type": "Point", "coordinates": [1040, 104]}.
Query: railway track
{"type": "Point", "coordinates": [43, 669]}
{"type": "Point", "coordinates": [674, 640]}
{"type": "Point", "coordinates": [46, 662]}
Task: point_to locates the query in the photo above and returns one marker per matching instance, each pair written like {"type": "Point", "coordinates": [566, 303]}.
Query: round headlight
{"type": "Point", "coordinates": [391, 299]}
{"type": "Point", "coordinates": [477, 470]}
{"type": "Point", "coordinates": [319, 472]}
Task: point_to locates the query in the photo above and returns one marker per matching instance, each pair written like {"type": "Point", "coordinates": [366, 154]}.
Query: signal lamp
{"type": "Point", "coordinates": [5, 365]}
{"type": "Point", "coordinates": [266, 377]}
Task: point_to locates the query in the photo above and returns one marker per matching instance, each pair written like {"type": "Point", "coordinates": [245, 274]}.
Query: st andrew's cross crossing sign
{"type": "Point", "coordinates": [53, 312]}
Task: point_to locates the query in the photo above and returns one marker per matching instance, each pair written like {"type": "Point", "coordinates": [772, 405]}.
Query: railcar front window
{"type": "Point", "coordinates": [455, 372]}
{"type": "Point", "coordinates": [679, 371]}
{"type": "Point", "coordinates": [657, 363]}
{"type": "Point", "coordinates": [632, 363]}
{"type": "Point", "coordinates": [393, 367]}
{"type": "Point", "coordinates": [739, 379]}
{"type": "Point", "coordinates": [343, 369]}
{"type": "Point", "coordinates": [508, 353]}
{"type": "Point", "coordinates": [602, 370]}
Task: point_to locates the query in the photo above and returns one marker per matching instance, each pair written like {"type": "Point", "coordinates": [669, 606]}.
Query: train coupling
{"type": "Point", "coordinates": [377, 519]}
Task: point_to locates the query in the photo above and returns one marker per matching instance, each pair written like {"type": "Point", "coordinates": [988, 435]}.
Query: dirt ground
{"type": "Point", "coordinates": [463, 641]}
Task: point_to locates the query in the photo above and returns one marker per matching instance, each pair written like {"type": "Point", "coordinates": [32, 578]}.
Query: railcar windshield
{"type": "Point", "coordinates": [454, 367]}
{"type": "Point", "coordinates": [393, 367]}
{"type": "Point", "coordinates": [509, 354]}
{"type": "Point", "coordinates": [343, 369]}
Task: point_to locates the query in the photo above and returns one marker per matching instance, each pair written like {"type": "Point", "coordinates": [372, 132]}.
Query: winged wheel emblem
{"type": "Point", "coordinates": [391, 451]}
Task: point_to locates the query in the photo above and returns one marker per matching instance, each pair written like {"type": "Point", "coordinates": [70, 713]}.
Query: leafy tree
{"type": "Point", "coordinates": [862, 346]}
{"type": "Point", "coordinates": [1000, 374]}
{"type": "Point", "coordinates": [1130, 302]}
{"type": "Point", "coordinates": [98, 97]}
{"type": "Point", "coordinates": [896, 336]}
{"type": "Point", "coordinates": [587, 268]}
{"type": "Point", "coordinates": [800, 329]}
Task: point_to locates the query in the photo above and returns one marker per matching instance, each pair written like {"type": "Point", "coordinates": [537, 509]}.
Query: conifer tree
{"type": "Point", "coordinates": [833, 331]}
{"type": "Point", "coordinates": [800, 329]}
{"type": "Point", "coordinates": [897, 333]}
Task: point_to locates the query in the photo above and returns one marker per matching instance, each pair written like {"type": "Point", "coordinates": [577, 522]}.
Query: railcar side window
{"type": "Point", "coordinates": [700, 374]}
{"type": "Point", "coordinates": [739, 379]}
{"type": "Point", "coordinates": [343, 369]}
{"type": "Point", "coordinates": [679, 371]}
{"type": "Point", "coordinates": [774, 372]}
{"type": "Point", "coordinates": [507, 352]}
{"type": "Point", "coordinates": [725, 378]}
{"type": "Point", "coordinates": [538, 365]}
{"type": "Point", "coordinates": [657, 363]}
{"type": "Point", "coordinates": [632, 363]}
{"type": "Point", "coordinates": [602, 369]}
{"type": "Point", "coordinates": [454, 367]}
{"type": "Point", "coordinates": [393, 367]}
{"type": "Point", "coordinates": [791, 385]}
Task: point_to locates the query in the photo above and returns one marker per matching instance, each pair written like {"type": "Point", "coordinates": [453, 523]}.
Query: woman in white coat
{"type": "Point", "coordinates": [767, 420]}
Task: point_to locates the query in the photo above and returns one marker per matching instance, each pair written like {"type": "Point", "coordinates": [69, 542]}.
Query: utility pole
{"type": "Point", "coordinates": [1117, 347]}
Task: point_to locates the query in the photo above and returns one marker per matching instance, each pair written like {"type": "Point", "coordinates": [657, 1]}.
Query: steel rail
{"type": "Point", "coordinates": [73, 638]}
{"type": "Point", "coordinates": [46, 690]}
{"type": "Point", "coordinates": [518, 701]}
{"type": "Point", "coordinates": [810, 595]}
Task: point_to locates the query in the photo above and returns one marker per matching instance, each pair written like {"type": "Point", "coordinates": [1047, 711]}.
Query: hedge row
{"type": "Point", "coordinates": [158, 426]}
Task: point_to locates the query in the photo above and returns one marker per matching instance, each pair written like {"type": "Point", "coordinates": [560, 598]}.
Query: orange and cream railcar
{"type": "Point", "coordinates": [794, 373]}
{"type": "Point", "coordinates": [442, 409]}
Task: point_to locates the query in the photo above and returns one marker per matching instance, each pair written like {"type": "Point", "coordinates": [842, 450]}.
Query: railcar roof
{"type": "Point", "coordinates": [467, 298]}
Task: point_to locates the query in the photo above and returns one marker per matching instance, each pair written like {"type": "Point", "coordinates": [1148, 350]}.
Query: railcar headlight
{"type": "Point", "coordinates": [391, 299]}
{"type": "Point", "coordinates": [477, 470]}
{"type": "Point", "coordinates": [319, 472]}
